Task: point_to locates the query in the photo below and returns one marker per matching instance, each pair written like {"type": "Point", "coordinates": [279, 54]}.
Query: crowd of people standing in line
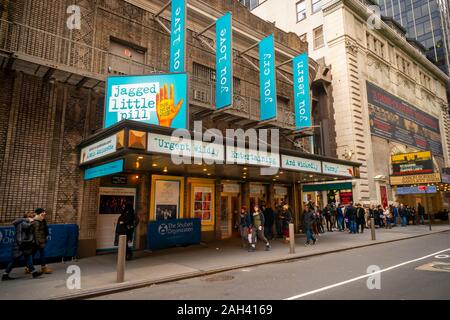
{"type": "Point", "coordinates": [266, 224]}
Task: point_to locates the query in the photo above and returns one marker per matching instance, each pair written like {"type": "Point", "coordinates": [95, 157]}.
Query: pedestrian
{"type": "Point", "coordinates": [269, 218]}
{"type": "Point", "coordinates": [286, 220]}
{"type": "Point", "coordinates": [279, 221]}
{"type": "Point", "coordinates": [389, 216]}
{"type": "Point", "coordinates": [23, 246]}
{"type": "Point", "coordinates": [413, 215]}
{"type": "Point", "coordinates": [395, 214]}
{"type": "Point", "coordinates": [257, 227]}
{"type": "Point", "coordinates": [380, 215]}
{"type": "Point", "coordinates": [421, 212]}
{"type": "Point", "coordinates": [308, 222]}
{"type": "Point", "coordinates": [40, 231]}
{"type": "Point", "coordinates": [327, 214]}
{"type": "Point", "coordinates": [340, 217]}
{"type": "Point", "coordinates": [360, 218]}
{"type": "Point", "coordinates": [126, 224]}
{"type": "Point", "coordinates": [333, 216]}
{"type": "Point", "coordinates": [403, 214]}
{"type": "Point", "coordinates": [351, 215]}
{"type": "Point", "coordinates": [244, 224]}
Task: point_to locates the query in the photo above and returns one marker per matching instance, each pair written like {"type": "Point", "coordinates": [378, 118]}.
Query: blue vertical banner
{"type": "Point", "coordinates": [224, 62]}
{"type": "Point", "coordinates": [302, 103]}
{"type": "Point", "coordinates": [267, 85]}
{"type": "Point", "coordinates": [177, 36]}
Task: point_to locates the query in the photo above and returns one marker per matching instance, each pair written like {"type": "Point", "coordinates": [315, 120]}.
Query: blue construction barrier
{"type": "Point", "coordinates": [62, 242]}
{"type": "Point", "coordinates": [172, 233]}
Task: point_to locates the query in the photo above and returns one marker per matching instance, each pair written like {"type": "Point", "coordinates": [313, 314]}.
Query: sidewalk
{"type": "Point", "coordinates": [98, 274]}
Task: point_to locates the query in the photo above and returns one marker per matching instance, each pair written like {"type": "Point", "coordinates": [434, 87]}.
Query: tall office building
{"type": "Point", "coordinates": [427, 21]}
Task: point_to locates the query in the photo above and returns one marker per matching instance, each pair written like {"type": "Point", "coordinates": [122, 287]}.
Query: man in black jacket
{"type": "Point", "coordinates": [360, 218]}
{"type": "Point", "coordinates": [351, 215]}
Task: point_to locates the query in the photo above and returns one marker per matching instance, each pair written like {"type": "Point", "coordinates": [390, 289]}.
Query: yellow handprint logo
{"type": "Point", "coordinates": [165, 106]}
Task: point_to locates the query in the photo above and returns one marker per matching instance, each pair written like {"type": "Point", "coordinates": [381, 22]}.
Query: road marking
{"type": "Point", "coordinates": [363, 276]}
{"type": "Point", "coordinates": [442, 256]}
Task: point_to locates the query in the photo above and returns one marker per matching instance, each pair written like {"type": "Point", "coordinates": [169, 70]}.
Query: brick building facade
{"type": "Point", "coordinates": [52, 93]}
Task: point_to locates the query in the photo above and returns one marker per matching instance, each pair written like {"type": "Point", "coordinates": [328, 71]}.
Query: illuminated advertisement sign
{"type": "Point", "coordinates": [412, 163]}
{"type": "Point", "coordinates": [177, 36]}
{"type": "Point", "coordinates": [99, 149]}
{"type": "Point", "coordinates": [104, 170]}
{"type": "Point", "coordinates": [394, 119]}
{"type": "Point", "coordinates": [302, 103]}
{"type": "Point", "coordinates": [415, 179]}
{"type": "Point", "coordinates": [267, 85]}
{"type": "Point", "coordinates": [224, 62]}
{"type": "Point", "coordinates": [159, 99]}
{"type": "Point", "coordinates": [415, 190]}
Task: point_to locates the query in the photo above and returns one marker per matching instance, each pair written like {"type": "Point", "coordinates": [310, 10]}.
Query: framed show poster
{"type": "Point", "coordinates": [202, 204]}
{"type": "Point", "coordinates": [166, 198]}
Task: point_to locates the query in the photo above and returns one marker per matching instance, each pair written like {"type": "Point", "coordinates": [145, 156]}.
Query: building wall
{"type": "Point", "coordinates": [44, 120]}
{"type": "Point", "coordinates": [355, 58]}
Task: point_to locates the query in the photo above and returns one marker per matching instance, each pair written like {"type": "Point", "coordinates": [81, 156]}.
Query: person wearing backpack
{"type": "Point", "coordinates": [23, 246]}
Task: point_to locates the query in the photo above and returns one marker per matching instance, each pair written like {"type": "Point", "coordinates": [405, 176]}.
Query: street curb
{"type": "Point", "coordinates": [126, 286]}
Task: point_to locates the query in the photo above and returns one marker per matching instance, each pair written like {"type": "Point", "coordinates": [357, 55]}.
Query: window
{"type": "Point", "coordinates": [301, 10]}
{"type": "Point", "coordinates": [316, 5]}
{"type": "Point", "coordinates": [318, 37]}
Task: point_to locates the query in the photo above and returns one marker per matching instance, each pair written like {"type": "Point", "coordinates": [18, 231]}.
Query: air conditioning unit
{"type": "Point", "coordinates": [200, 96]}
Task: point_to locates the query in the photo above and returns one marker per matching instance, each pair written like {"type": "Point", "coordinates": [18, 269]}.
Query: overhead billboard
{"type": "Point", "coordinates": [267, 85]}
{"type": "Point", "coordinates": [224, 62]}
{"type": "Point", "coordinates": [159, 99]}
{"type": "Point", "coordinates": [396, 120]}
{"type": "Point", "coordinates": [178, 36]}
{"type": "Point", "coordinates": [412, 163]}
{"type": "Point", "coordinates": [302, 102]}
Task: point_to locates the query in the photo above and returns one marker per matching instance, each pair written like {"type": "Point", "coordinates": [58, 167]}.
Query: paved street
{"type": "Point", "coordinates": [302, 277]}
{"type": "Point", "coordinates": [98, 274]}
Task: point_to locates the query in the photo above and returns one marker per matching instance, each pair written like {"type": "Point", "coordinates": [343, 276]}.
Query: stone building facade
{"type": "Point", "coordinates": [361, 49]}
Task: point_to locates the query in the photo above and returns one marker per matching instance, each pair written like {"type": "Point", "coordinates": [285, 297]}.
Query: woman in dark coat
{"type": "Point", "coordinates": [126, 224]}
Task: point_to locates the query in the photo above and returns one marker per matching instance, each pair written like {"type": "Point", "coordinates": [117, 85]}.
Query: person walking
{"type": "Point", "coordinates": [327, 214]}
{"type": "Point", "coordinates": [421, 212]}
{"type": "Point", "coordinates": [360, 218]}
{"type": "Point", "coordinates": [351, 215]}
{"type": "Point", "coordinates": [308, 221]}
{"type": "Point", "coordinates": [269, 218]}
{"type": "Point", "coordinates": [23, 246]}
{"type": "Point", "coordinates": [257, 227]}
{"type": "Point", "coordinates": [40, 232]}
{"type": "Point", "coordinates": [403, 215]}
{"type": "Point", "coordinates": [395, 215]}
{"type": "Point", "coordinates": [126, 224]}
{"type": "Point", "coordinates": [244, 223]}
{"type": "Point", "coordinates": [286, 220]}
{"type": "Point", "coordinates": [333, 216]}
{"type": "Point", "coordinates": [340, 217]}
{"type": "Point", "coordinates": [278, 221]}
